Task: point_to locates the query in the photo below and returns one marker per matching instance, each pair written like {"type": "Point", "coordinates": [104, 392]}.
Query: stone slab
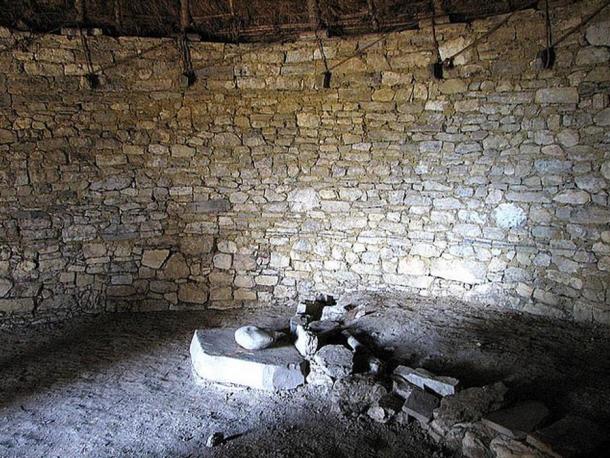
{"type": "Point", "coordinates": [518, 420]}
{"type": "Point", "coordinates": [569, 437]}
{"type": "Point", "coordinates": [445, 386]}
{"type": "Point", "coordinates": [420, 405]}
{"type": "Point", "coordinates": [218, 358]}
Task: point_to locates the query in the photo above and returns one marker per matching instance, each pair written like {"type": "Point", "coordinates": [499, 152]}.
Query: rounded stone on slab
{"type": "Point", "coordinates": [253, 338]}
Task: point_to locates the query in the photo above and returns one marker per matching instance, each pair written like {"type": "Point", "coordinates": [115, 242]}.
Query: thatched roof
{"type": "Point", "coordinates": [243, 20]}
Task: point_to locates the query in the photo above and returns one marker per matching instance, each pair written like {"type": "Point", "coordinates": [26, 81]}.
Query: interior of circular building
{"type": "Point", "coordinates": [327, 228]}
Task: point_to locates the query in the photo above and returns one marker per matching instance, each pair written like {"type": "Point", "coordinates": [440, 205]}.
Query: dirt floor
{"type": "Point", "coordinates": [121, 385]}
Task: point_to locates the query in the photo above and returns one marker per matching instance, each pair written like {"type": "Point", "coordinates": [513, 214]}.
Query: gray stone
{"type": "Point", "coordinates": [154, 258]}
{"type": "Point", "coordinates": [17, 305]}
{"type": "Point", "coordinates": [470, 404]}
{"type": "Point", "coordinates": [5, 286]}
{"type": "Point", "coordinates": [509, 215]}
{"type": "Point", "coordinates": [334, 313]}
{"type": "Point", "coordinates": [603, 118]}
{"type": "Point", "coordinates": [518, 420]}
{"type": "Point", "coordinates": [568, 437]}
{"type": "Point", "coordinates": [557, 95]}
{"type": "Point", "coordinates": [385, 408]}
{"type": "Point", "coordinates": [598, 34]}
{"type": "Point", "coordinates": [605, 170]}
{"type": "Point", "coordinates": [253, 338]}
{"type": "Point", "coordinates": [217, 357]}
{"type": "Point", "coordinates": [573, 197]}
{"type": "Point", "coordinates": [212, 206]}
{"type": "Point", "coordinates": [335, 360]}
{"type": "Point", "coordinates": [420, 405]}
{"type": "Point", "coordinates": [420, 377]}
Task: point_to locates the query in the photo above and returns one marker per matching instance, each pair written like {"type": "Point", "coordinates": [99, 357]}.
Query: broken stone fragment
{"type": "Point", "coordinates": [401, 387]}
{"type": "Point", "coordinates": [364, 360]}
{"type": "Point", "coordinates": [299, 320]}
{"type": "Point", "coordinates": [356, 393]}
{"type": "Point", "coordinates": [385, 409]}
{"type": "Point", "coordinates": [518, 420]}
{"type": "Point", "coordinates": [334, 313]}
{"type": "Point", "coordinates": [312, 308]}
{"type": "Point", "coordinates": [570, 436]}
{"type": "Point", "coordinates": [215, 439]}
{"type": "Point", "coordinates": [253, 338]}
{"type": "Point", "coordinates": [307, 342]}
{"type": "Point", "coordinates": [444, 386]}
{"type": "Point", "coordinates": [216, 357]}
{"type": "Point", "coordinates": [506, 447]}
{"type": "Point", "coordinates": [335, 360]}
{"type": "Point", "coordinates": [420, 405]}
{"type": "Point", "coordinates": [469, 405]}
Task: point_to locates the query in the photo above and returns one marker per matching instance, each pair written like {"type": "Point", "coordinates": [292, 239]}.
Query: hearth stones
{"type": "Point", "coordinates": [216, 357]}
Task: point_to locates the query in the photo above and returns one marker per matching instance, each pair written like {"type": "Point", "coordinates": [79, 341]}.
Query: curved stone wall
{"type": "Point", "coordinates": [258, 184]}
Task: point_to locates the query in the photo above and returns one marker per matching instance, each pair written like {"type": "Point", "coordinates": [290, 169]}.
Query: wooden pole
{"type": "Point", "coordinates": [314, 14]}
{"type": "Point", "coordinates": [185, 17]}
{"type": "Point", "coordinates": [79, 6]}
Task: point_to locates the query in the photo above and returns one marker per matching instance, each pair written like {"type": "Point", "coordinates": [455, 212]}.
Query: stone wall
{"type": "Point", "coordinates": [258, 184]}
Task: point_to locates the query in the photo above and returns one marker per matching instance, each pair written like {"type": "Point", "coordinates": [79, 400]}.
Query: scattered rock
{"type": "Point", "coordinates": [215, 439]}
{"type": "Point", "coordinates": [570, 436]}
{"type": "Point", "coordinates": [298, 320]}
{"type": "Point", "coordinates": [518, 420]}
{"type": "Point", "coordinates": [385, 409]}
{"type": "Point", "coordinates": [253, 338]}
{"type": "Point", "coordinates": [335, 360]}
{"type": "Point", "coordinates": [5, 286]}
{"type": "Point", "coordinates": [506, 447]}
{"type": "Point", "coordinates": [469, 405]}
{"type": "Point", "coordinates": [444, 386]}
{"type": "Point", "coordinates": [356, 393]}
{"type": "Point", "coordinates": [307, 342]}
{"type": "Point", "coordinates": [420, 405]}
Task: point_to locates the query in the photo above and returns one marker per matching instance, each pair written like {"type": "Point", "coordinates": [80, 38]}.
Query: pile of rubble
{"type": "Point", "coordinates": [320, 348]}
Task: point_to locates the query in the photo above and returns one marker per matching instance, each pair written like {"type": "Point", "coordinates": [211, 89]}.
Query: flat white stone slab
{"type": "Point", "coordinates": [216, 357]}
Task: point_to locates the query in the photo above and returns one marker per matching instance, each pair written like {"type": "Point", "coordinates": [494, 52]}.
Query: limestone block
{"type": "Point", "coordinates": [603, 118]}
{"type": "Point", "coordinates": [308, 120]}
{"type": "Point", "coordinates": [507, 216]}
{"type": "Point", "coordinates": [175, 268]}
{"type": "Point", "coordinates": [557, 95]}
{"type": "Point", "coordinates": [598, 34]}
{"type": "Point", "coordinates": [192, 293]}
{"type": "Point", "coordinates": [222, 261]}
{"type": "Point", "coordinates": [5, 286]}
{"type": "Point", "coordinates": [20, 305]}
{"type": "Point", "coordinates": [154, 258]}
{"type": "Point", "coordinates": [216, 357]}
{"type": "Point", "coordinates": [444, 386]}
{"type": "Point", "coordinates": [465, 271]}
{"type": "Point", "coordinates": [303, 199]}
{"type": "Point", "coordinates": [573, 197]}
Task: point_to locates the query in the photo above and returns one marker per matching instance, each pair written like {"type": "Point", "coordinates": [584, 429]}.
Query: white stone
{"type": "Point", "coordinates": [465, 271]}
{"type": "Point", "coordinates": [216, 357]}
{"type": "Point", "coordinates": [509, 215]}
{"type": "Point", "coordinates": [303, 199]}
{"type": "Point", "coordinates": [445, 386]}
{"type": "Point", "coordinates": [253, 338]}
